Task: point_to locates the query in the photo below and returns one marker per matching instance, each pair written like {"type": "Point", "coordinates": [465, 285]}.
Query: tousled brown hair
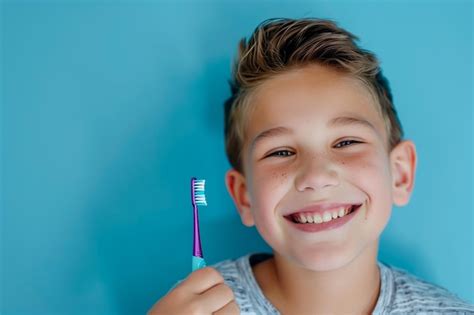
{"type": "Point", "coordinates": [279, 45]}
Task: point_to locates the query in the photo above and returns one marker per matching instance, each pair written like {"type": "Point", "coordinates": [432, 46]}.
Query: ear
{"type": "Point", "coordinates": [237, 189]}
{"type": "Point", "coordinates": [403, 163]}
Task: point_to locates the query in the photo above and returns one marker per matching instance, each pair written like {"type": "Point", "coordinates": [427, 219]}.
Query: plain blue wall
{"type": "Point", "coordinates": [109, 109]}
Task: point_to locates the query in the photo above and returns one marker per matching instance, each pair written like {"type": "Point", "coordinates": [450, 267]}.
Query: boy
{"type": "Point", "coordinates": [317, 161]}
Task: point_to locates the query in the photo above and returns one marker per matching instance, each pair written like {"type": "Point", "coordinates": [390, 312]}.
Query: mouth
{"type": "Point", "coordinates": [316, 218]}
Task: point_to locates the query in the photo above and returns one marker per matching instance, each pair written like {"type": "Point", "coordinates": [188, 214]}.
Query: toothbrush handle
{"type": "Point", "coordinates": [198, 263]}
{"type": "Point", "coordinates": [197, 250]}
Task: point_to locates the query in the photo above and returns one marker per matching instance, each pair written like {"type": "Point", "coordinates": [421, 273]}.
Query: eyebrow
{"type": "Point", "coordinates": [338, 121]}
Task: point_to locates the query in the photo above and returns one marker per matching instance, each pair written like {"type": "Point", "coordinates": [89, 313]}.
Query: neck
{"type": "Point", "coordinates": [351, 289]}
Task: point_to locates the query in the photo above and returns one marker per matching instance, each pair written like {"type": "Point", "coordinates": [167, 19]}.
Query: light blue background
{"type": "Point", "coordinates": [109, 108]}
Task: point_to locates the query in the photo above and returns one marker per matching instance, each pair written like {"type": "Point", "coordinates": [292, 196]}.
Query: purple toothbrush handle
{"type": "Point", "coordinates": [197, 250]}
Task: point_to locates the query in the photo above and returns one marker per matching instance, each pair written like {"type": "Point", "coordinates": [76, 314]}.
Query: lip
{"type": "Point", "coordinates": [333, 224]}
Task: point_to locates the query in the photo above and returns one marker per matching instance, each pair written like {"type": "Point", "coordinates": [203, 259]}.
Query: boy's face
{"type": "Point", "coordinates": [311, 161]}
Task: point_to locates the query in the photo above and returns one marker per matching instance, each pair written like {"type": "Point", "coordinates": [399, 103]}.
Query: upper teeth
{"type": "Point", "coordinates": [326, 217]}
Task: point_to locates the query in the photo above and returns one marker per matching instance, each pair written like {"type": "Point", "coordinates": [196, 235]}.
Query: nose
{"type": "Point", "coordinates": [315, 174]}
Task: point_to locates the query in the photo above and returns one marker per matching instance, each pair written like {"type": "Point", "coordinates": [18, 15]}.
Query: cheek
{"type": "Point", "coordinates": [268, 187]}
{"type": "Point", "coordinates": [371, 174]}
{"type": "Point", "coordinates": [369, 169]}
{"type": "Point", "coordinates": [267, 180]}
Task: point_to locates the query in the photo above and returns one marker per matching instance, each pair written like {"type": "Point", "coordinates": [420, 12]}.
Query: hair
{"type": "Point", "coordinates": [279, 45]}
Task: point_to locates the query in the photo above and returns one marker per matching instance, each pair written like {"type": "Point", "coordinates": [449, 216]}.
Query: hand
{"type": "Point", "coordinates": [203, 292]}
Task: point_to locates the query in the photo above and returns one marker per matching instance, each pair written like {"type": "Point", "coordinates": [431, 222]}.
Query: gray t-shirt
{"type": "Point", "coordinates": [400, 292]}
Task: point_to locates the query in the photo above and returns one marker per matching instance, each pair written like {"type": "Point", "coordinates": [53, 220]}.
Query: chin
{"type": "Point", "coordinates": [323, 261]}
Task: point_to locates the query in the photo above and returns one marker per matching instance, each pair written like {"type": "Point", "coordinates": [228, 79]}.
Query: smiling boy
{"type": "Point", "coordinates": [318, 160]}
{"type": "Point", "coordinates": [321, 159]}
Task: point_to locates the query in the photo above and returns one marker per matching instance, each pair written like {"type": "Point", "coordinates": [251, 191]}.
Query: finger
{"type": "Point", "coordinates": [201, 280]}
{"type": "Point", "coordinates": [216, 297]}
{"type": "Point", "coordinates": [230, 308]}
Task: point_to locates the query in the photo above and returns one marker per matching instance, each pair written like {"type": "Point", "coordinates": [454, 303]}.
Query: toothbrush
{"type": "Point", "coordinates": [198, 197]}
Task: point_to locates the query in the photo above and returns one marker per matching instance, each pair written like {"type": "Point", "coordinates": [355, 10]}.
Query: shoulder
{"type": "Point", "coordinates": [238, 275]}
{"type": "Point", "coordinates": [411, 294]}
{"type": "Point", "coordinates": [233, 271]}
{"type": "Point", "coordinates": [238, 272]}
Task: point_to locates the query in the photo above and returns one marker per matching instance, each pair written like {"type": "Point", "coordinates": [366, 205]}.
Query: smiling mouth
{"type": "Point", "coordinates": [308, 218]}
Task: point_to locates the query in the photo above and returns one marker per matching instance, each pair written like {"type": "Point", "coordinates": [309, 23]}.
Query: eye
{"type": "Point", "coordinates": [345, 143]}
{"type": "Point", "coordinates": [281, 153]}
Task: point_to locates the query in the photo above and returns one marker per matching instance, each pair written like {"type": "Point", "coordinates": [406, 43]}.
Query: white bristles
{"type": "Point", "coordinates": [199, 192]}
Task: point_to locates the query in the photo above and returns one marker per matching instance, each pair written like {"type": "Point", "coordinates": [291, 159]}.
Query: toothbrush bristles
{"type": "Point", "coordinates": [199, 192]}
